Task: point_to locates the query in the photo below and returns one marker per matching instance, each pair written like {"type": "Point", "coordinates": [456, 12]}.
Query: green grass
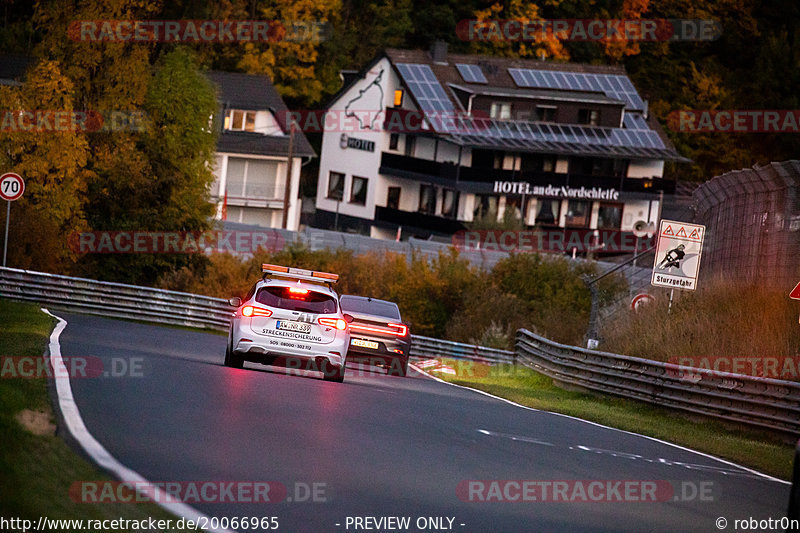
{"type": "Point", "coordinates": [36, 472]}
{"type": "Point", "coordinates": [764, 452]}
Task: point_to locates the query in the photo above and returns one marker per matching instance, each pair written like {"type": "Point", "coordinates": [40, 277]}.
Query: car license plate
{"type": "Point", "coordinates": [300, 327]}
{"type": "Point", "coordinates": [364, 344]}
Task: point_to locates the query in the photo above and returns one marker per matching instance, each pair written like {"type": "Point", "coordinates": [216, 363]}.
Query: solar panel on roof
{"type": "Point", "coordinates": [427, 90]}
{"type": "Point", "coordinates": [471, 73]}
{"type": "Point", "coordinates": [615, 86]}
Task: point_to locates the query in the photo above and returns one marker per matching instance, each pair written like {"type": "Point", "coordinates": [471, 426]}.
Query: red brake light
{"type": "Point", "coordinates": [249, 310]}
{"type": "Point", "coordinates": [337, 323]}
{"type": "Point", "coordinates": [397, 329]}
{"type": "Point", "coordinates": [402, 329]}
{"type": "Point", "coordinates": [298, 290]}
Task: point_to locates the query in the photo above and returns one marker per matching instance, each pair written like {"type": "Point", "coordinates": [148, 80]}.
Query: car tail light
{"type": "Point", "coordinates": [397, 351]}
{"type": "Point", "coordinates": [249, 310]}
{"type": "Point", "coordinates": [337, 323]}
{"type": "Point", "coordinates": [396, 329]}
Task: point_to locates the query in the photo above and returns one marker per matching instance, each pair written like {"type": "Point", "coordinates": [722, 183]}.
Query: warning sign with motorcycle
{"type": "Point", "coordinates": [678, 253]}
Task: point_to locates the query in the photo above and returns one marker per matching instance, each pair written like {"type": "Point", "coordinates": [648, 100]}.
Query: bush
{"type": "Point", "coordinates": [445, 297]}
{"type": "Point", "coordinates": [721, 319]}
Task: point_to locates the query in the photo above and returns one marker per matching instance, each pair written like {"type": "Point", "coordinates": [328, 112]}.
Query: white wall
{"type": "Point", "coordinates": [645, 168]}
{"type": "Point", "coordinates": [350, 161]}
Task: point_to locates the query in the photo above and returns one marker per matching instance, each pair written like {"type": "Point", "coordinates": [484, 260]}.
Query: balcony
{"type": "Point", "coordinates": [416, 221]}
{"type": "Point", "coordinates": [478, 180]}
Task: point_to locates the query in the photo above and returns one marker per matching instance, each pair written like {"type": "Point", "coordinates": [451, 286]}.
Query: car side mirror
{"type": "Point", "coordinates": [235, 301]}
{"type": "Point", "coordinates": [348, 318]}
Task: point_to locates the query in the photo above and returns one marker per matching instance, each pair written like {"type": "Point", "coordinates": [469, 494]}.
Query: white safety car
{"type": "Point", "coordinates": [291, 318]}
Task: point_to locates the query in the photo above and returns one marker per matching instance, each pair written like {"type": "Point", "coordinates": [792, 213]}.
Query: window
{"type": "Point", "coordinates": [588, 116]}
{"type": "Point", "coordinates": [252, 178]}
{"type": "Point", "coordinates": [358, 192]}
{"type": "Point", "coordinates": [311, 302]}
{"type": "Point", "coordinates": [538, 163]}
{"type": "Point", "coordinates": [427, 199]}
{"type": "Point", "coordinates": [545, 113]}
{"type": "Point", "coordinates": [393, 140]}
{"type": "Point", "coordinates": [398, 98]}
{"type": "Point", "coordinates": [449, 203]}
{"type": "Point", "coordinates": [393, 198]}
{"type": "Point", "coordinates": [577, 213]}
{"type": "Point", "coordinates": [596, 166]}
{"type": "Point", "coordinates": [500, 111]}
{"type": "Point", "coordinates": [485, 206]}
{"type": "Point", "coordinates": [238, 120]}
{"type": "Point", "coordinates": [548, 213]}
{"type": "Point", "coordinates": [336, 185]}
{"type": "Point", "coordinates": [411, 142]}
{"type": "Point", "coordinates": [359, 304]}
{"type": "Point", "coordinates": [609, 216]}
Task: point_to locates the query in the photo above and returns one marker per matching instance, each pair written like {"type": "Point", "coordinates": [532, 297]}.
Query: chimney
{"type": "Point", "coordinates": [439, 52]}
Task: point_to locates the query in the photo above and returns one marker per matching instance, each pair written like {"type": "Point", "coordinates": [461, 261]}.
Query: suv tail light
{"type": "Point", "coordinates": [249, 310]}
{"type": "Point", "coordinates": [337, 323]}
{"type": "Point", "coordinates": [396, 329]}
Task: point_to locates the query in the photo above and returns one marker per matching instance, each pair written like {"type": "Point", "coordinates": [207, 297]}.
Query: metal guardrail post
{"type": "Point", "coordinates": [590, 339]}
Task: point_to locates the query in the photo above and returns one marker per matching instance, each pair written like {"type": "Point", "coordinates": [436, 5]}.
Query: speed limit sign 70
{"type": "Point", "coordinates": [11, 186]}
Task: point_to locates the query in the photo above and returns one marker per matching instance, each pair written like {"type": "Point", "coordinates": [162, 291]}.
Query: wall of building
{"type": "Point", "coordinates": [375, 92]}
{"type": "Point", "coordinates": [645, 168]}
{"type": "Point", "coordinates": [258, 208]}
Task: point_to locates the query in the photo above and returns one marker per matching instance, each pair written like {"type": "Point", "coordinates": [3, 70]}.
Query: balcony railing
{"type": "Point", "coordinates": [423, 170]}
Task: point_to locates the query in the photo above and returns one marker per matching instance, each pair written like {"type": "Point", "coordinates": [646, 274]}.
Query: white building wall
{"type": "Point", "coordinates": [350, 161]}
{"type": "Point", "coordinates": [646, 169]}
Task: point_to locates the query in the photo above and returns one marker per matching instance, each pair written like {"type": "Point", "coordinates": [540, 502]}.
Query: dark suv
{"type": "Point", "coordinates": [378, 335]}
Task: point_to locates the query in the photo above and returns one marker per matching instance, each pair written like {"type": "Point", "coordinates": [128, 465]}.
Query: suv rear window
{"type": "Point", "coordinates": [311, 302]}
{"type": "Point", "coordinates": [370, 307]}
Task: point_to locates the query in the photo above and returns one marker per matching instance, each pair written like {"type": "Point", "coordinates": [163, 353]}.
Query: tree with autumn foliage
{"type": "Point", "coordinates": [53, 162]}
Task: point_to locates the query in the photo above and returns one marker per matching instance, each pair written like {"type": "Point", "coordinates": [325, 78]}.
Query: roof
{"type": "Point", "coordinates": [252, 92]}
{"type": "Point", "coordinates": [538, 94]}
{"type": "Point", "coordinates": [250, 143]}
{"type": "Point", "coordinates": [432, 86]}
{"type": "Point", "coordinates": [246, 91]}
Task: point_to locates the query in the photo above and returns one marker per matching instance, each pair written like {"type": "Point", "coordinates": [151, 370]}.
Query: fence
{"type": "Point", "coordinates": [752, 220]}
{"type": "Point", "coordinates": [758, 402]}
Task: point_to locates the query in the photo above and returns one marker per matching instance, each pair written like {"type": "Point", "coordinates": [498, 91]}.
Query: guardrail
{"type": "Point", "coordinates": [116, 300]}
{"type": "Point", "coordinates": [758, 402]}
{"type": "Point", "coordinates": [428, 347]}
{"type": "Point", "coordinates": [754, 401]}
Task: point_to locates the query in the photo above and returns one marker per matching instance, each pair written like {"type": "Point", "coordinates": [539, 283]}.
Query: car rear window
{"type": "Point", "coordinates": [311, 302]}
{"type": "Point", "coordinates": [370, 307]}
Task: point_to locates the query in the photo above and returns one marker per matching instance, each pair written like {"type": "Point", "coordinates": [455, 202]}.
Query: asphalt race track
{"type": "Point", "coordinates": [379, 446]}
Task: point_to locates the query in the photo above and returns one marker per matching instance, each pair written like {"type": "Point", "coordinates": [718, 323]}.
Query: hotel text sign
{"type": "Point", "coordinates": [562, 191]}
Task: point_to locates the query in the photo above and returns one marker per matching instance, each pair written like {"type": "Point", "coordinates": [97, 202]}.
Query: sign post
{"type": "Point", "coordinates": [677, 259]}
{"type": "Point", "coordinates": [11, 188]}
